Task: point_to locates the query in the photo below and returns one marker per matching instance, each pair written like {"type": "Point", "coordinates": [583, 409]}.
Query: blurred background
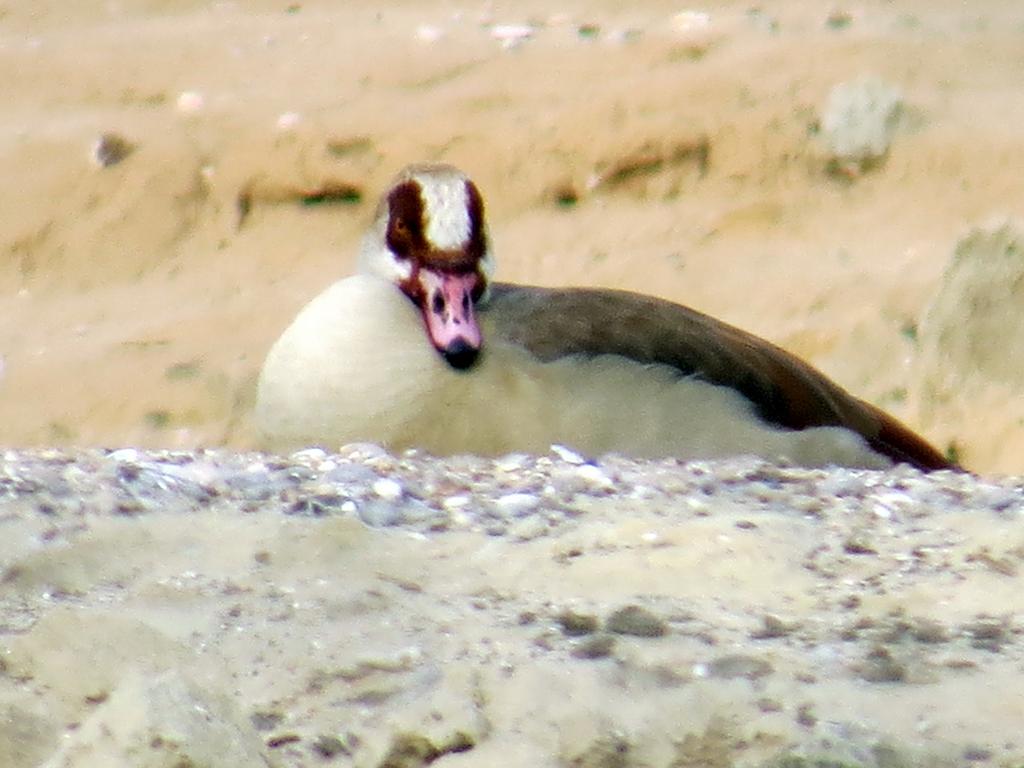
{"type": "Point", "coordinates": [180, 177]}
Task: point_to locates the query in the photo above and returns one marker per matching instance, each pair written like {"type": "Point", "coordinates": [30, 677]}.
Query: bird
{"type": "Point", "coordinates": [421, 348]}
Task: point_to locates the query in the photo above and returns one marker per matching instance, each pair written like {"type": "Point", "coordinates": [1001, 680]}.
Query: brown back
{"type": "Point", "coordinates": [784, 390]}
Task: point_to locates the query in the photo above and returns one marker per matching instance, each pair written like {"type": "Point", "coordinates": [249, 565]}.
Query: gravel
{"type": "Point", "coordinates": [372, 609]}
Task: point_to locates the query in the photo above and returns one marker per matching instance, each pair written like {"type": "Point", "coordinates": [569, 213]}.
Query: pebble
{"type": "Point", "coordinates": [879, 666]}
{"type": "Point", "coordinates": [125, 455]}
{"type": "Point", "coordinates": [928, 631]}
{"type": "Point", "coordinates": [858, 123]}
{"type": "Point", "coordinates": [595, 478]}
{"type": "Point", "coordinates": [511, 35]}
{"type": "Point", "coordinates": [567, 455]}
{"type": "Point", "coordinates": [110, 149]}
{"type": "Point", "coordinates": [380, 514]}
{"type": "Point", "coordinates": [636, 621]}
{"type": "Point", "coordinates": [859, 544]}
{"type": "Point", "coordinates": [739, 665]}
{"type": "Point", "coordinates": [309, 455]}
{"type": "Point", "coordinates": [528, 528]}
{"type": "Point", "coordinates": [349, 473]}
{"type": "Point", "coordinates": [496, 528]}
{"type": "Point", "coordinates": [429, 33]}
{"type": "Point", "coordinates": [362, 451]}
{"type": "Point", "coordinates": [598, 646]}
{"type": "Point", "coordinates": [516, 504]}
{"type": "Point", "coordinates": [287, 122]}
{"type": "Point", "coordinates": [805, 715]}
{"type": "Point", "coordinates": [512, 462]}
{"type": "Point", "coordinates": [974, 753]}
{"type": "Point", "coordinates": [190, 102]}
{"type": "Point", "coordinates": [328, 746]}
{"type": "Point", "coordinates": [265, 720]}
{"type": "Point", "coordinates": [771, 627]}
{"type": "Point", "coordinates": [767, 704]}
{"type": "Point", "coordinates": [987, 633]}
{"type": "Point", "coordinates": [577, 624]}
{"type": "Point", "coordinates": [690, 22]}
{"type": "Point", "coordinates": [401, 660]}
{"type": "Point", "coordinates": [388, 489]}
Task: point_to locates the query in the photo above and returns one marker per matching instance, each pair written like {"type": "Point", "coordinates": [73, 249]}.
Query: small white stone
{"type": "Point", "coordinates": [594, 477]}
{"type": "Point", "coordinates": [700, 670]}
{"type": "Point", "coordinates": [190, 102]}
{"type": "Point", "coordinates": [859, 122]}
{"type": "Point", "coordinates": [388, 489]}
{"type": "Point", "coordinates": [516, 504]}
{"type": "Point", "coordinates": [688, 22]}
{"type": "Point", "coordinates": [567, 454]}
{"type": "Point", "coordinates": [309, 454]}
{"type": "Point", "coordinates": [288, 121]}
{"type": "Point", "coordinates": [456, 502]}
{"type": "Point", "coordinates": [125, 454]}
{"type": "Point", "coordinates": [429, 33]}
{"type": "Point", "coordinates": [511, 462]}
{"type": "Point", "coordinates": [697, 506]}
{"type": "Point", "coordinates": [362, 451]}
{"type": "Point", "coordinates": [642, 492]}
{"type": "Point", "coordinates": [511, 35]}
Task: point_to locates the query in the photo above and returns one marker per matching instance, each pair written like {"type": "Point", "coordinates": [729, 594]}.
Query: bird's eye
{"type": "Point", "coordinates": [399, 236]}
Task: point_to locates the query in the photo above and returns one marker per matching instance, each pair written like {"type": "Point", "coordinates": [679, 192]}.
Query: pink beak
{"type": "Point", "coordinates": [450, 317]}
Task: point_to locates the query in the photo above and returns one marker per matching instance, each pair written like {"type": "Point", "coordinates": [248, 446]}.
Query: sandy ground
{"type": "Point", "coordinates": [363, 609]}
{"type": "Point", "coordinates": [189, 620]}
{"type": "Point", "coordinates": [139, 297]}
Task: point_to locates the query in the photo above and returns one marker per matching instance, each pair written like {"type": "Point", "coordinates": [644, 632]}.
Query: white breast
{"type": "Point", "coordinates": [354, 366]}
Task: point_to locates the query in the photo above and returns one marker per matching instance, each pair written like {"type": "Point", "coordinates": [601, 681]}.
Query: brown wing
{"type": "Point", "coordinates": [784, 390]}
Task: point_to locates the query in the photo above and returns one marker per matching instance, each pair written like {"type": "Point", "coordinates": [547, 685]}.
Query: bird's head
{"type": "Point", "coordinates": [430, 239]}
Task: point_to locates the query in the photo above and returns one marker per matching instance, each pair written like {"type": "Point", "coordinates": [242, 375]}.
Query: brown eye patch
{"type": "Point", "coordinates": [405, 220]}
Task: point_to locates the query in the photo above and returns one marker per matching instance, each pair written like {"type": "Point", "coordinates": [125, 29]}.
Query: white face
{"type": "Point", "coordinates": [445, 208]}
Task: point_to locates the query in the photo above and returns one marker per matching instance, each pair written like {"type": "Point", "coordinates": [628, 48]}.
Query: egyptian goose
{"type": "Point", "coordinates": [421, 349]}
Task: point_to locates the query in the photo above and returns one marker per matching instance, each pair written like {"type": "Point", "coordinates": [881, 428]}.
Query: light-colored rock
{"type": "Point", "coordinates": [858, 122]}
{"type": "Point", "coordinates": [970, 366]}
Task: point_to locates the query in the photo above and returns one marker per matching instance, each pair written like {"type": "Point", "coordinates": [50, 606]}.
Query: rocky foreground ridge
{"type": "Point", "coordinates": [225, 609]}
